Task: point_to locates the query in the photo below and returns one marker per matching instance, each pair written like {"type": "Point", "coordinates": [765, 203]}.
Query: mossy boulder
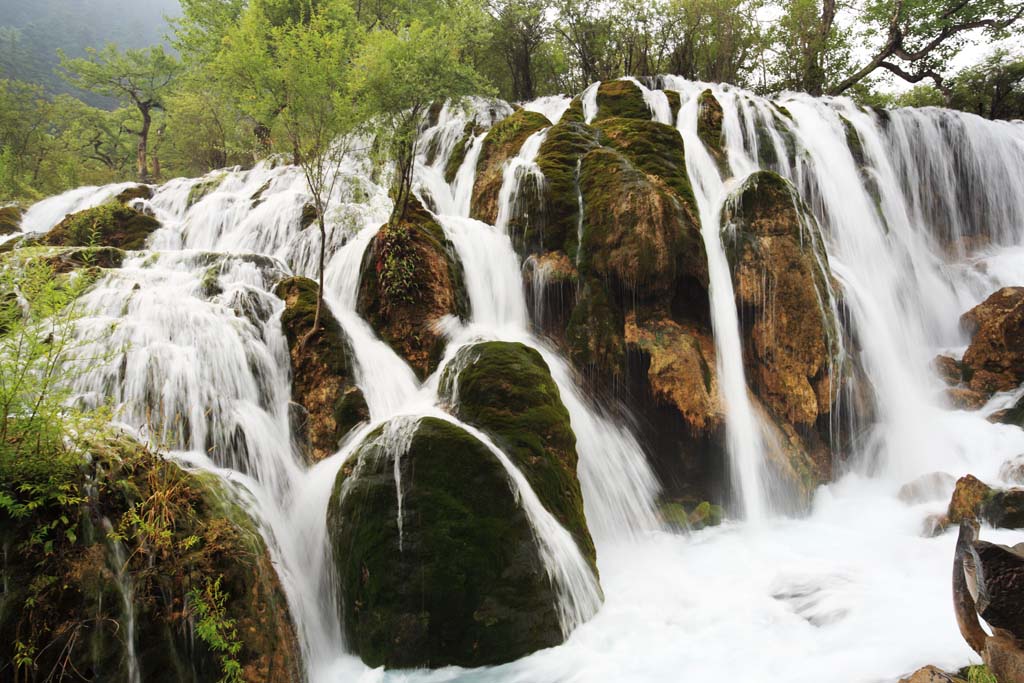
{"type": "Point", "coordinates": [10, 219]}
{"type": "Point", "coordinates": [621, 99]}
{"type": "Point", "coordinates": [322, 371]}
{"type": "Point", "coordinates": [505, 389]}
{"type": "Point", "coordinates": [595, 334]}
{"type": "Point", "coordinates": [502, 143]}
{"type": "Point", "coordinates": [411, 279]}
{"type": "Point", "coordinates": [550, 281]}
{"type": "Point", "coordinates": [784, 289]}
{"type": "Point", "coordinates": [973, 499]}
{"type": "Point", "coordinates": [459, 151]}
{"type": "Point", "coordinates": [108, 225]}
{"type": "Point", "coordinates": [135, 192]}
{"type": "Point", "coordinates": [638, 234]}
{"type": "Point", "coordinates": [203, 187]}
{"type": "Point", "coordinates": [654, 148]}
{"type": "Point", "coordinates": [994, 361]}
{"type": "Point", "coordinates": [444, 571]}
{"type": "Point", "coordinates": [182, 542]}
{"type": "Point", "coordinates": [559, 158]}
{"type": "Point", "coordinates": [709, 127]}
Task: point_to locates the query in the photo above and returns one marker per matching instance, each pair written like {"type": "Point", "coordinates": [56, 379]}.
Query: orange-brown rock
{"type": "Point", "coordinates": [968, 497]}
{"type": "Point", "coordinates": [994, 361]}
{"type": "Point", "coordinates": [682, 368]}
{"type": "Point", "coordinates": [411, 280]}
{"type": "Point", "coordinates": [502, 143]}
{"type": "Point", "coordinates": [550, 281]}
{"type": "Point", "coordinates": [948, 368]}
{"type": "Point", "coordinates": [784, 286]}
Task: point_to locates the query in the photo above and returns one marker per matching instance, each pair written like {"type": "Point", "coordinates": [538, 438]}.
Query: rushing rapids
{"type": "Point", "coordinates": [921, 216]}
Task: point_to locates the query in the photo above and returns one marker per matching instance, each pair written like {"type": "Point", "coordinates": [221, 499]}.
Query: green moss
{"type": "Point", "coordinates": [594, 333]}
{"type": "Point", "coordinates": [10, 219]}
{"type": "Point", "coordinates": [462, 583]}
{"type": "Point", "coordinates": [621, 99]}
{"type": "Point", "coordinates": [209, 285]}
{"type": "Point", "coordinates": [458, 155]}
{"type": "Point", "coordinates": [506, 389]}
{"type": "Point", "coordinates": [135, 192]}
{"type": "Point", "coordinates": [322, 370]}
{"type": "Point", "coordinates": [204, 187]}
{"type": "Point", "coordinates": [308, 216]}
{"type": "Point", "coordinates": [709, 125]}
{"type": "Point", "coordinates": [508, 135]}
{"type": "Point", "coordinates": [574, 114]}
{"type": "Point", "coordinates": [559, 158]}
{"type": "Point", "coordinates": [111, 224]}
{"type": "Point", "coordinates": [705, 515]}
{"type": "Point", "coordinates": [674, 103]}
{"type": "Point", "coordinates": [654, 148]}
{"type": "Point", "coordinates": [674, 516]}
{"type": "Point", "coordinates": [638, 233]}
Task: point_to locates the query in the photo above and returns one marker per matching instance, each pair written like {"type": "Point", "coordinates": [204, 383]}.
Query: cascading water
{"type": "Point", "coordinates": [197, 357]}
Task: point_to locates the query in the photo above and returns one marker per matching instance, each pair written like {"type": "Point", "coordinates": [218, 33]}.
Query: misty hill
{"type": "Point", "coordinates": [31, 32]}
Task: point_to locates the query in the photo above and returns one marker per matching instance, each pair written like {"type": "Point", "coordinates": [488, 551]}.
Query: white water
{"type": "Point", "coordinates": [851, 588]}
{"type": "Point", "coordinates": [744, 433]}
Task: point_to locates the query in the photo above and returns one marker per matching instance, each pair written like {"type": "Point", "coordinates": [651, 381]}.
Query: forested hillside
{"type": "Point", "coordinates": [31, 31]}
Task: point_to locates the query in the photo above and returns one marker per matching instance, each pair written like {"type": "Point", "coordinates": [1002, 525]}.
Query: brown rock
{"type": "Point", "coordinates": [930, 674]}
{"type": "Point", "coordinates": [1013, 470]}
{"type": "Point", "coordinates": [410, 281]}
{"type": "Point", "coordinates": [550, 281]}
{"type": "Point", "coordinates": [968, 496]}
{"type": "Point", "coordinates": [966, 398]}
{"type": "Point", "coordinates": [994, 361]}
{"type": "Point", "coordinates": [934, 486]}
{"type": "Point", "coordinates": [781, 276]}
{"type": "Point", "coordinates": [682, 368]}
{"type": "Point", "coordinates": [322, 374]}
{"type": "Point", "coordinates": [948, 368]}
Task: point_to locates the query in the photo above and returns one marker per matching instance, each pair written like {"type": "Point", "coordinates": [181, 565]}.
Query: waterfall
{"type": "Point", "coordinates": [744, 433]}
{"type": "Point", "coordinates": [921, 215]}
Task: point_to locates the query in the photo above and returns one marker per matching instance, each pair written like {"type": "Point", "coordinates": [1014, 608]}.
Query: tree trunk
{"type": "Point", "coordinates": [142, 166]}
{"type": "Point", "coordinates": [323, 258]}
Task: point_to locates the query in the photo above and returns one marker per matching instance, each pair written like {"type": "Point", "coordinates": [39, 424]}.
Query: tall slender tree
{"type": "Point", "coordinates": [140, 78]}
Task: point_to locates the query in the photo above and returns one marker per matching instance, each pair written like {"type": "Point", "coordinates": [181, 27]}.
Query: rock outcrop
{"type": "Point", "coordinates": [328, 404]}
{"type": "Point", "coordinates": [505, 389]}
{"type": "Point", "coordinates": [994, 361]}
{"type": "Point", "coordinates": [437, 561]}
{"type": "Point", "coordinates": [10, 219]}
{"type": "Point", "coordinates": [974, 500]}
{"type": "Point", "coordinates": [411, 280]}
{"type": "Point", "coordinates": [204, 593]}
{"type": "Point", "coordinates": [107, 225]}
{"type": "Point", "coordinates": [502, 143]}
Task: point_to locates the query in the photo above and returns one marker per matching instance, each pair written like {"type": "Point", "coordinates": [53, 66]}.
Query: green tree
{"type": "Point", "coordinates": [713, 40]}
{"type": "Point", "coordinates": [993, 88]}
{"type": "Point", "coordinates": [139, 78]}
{"type": "Point", "coordinates": [396, 78]}
{"type": "Point", "coordinates": [917, 38]}
{"type": "Point", "coordinates": [812, 51]}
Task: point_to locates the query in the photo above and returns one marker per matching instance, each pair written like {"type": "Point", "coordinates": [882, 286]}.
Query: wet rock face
{"type": "Point", "coordinates": [621, 99]}
{"type": "Point", "coordinates": [502, 143]}
{"type": "Point", "coordinates": [973, 499]}
{"type": "Point", "coordinates": [782, 283]}
{"type": "Point", "coordinates": [709, 126]}
{"type": "Point", "coordinates": [994, 361]}
{"type": "Point", "coordinates": [108, 225]}
{"type": "Point", "coordinates": [411, 280]}
{"type": "Point", "coordinates": [456, 578]}
{"type": "Point", "coordinates": [550, 282]}
{"type": "Point", "coordinates": [322, 373]}
{"type": "Point", "coordinates": [187, 548]}
{"type": "Point", "coordinates": [10, 219]}
{"type": "Point", "coordinates": [506, 390]}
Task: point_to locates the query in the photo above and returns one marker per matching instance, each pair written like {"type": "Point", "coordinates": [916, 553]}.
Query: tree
{"type": "Point", "coordinates": [396, 78]}
{"type": "Point", "coordinates": [993, 88]}
{"type": "Point", "coordinates": [314, 62]}
{"type": "Point", "coordinates": [201, 29]}
{"type": "Point", "coordinates": [521, 28]}
{"type": "Point", "coordinates": [919, 37]}
{"type": "Point", "coordinates": [812, 50]}
{"type": "Point", "coordinates": [140, 78]}
{"type": "Point", "coordinates": [712, 40]}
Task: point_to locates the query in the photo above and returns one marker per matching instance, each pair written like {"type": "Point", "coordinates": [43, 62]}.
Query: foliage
{"type": "Point", "coordinates": [397, 265]}
{"type": "Point", "coordinates": [217, 630]}
{"type": "Point", "coordinates": [140, 78]}
{"type": "Point", "coordinates": [396, 77]}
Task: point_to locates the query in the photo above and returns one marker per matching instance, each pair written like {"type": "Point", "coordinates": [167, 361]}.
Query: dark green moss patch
{"type": "Point", "coordinates": [110, 225]}
{"type": "Point", "coordinates": [461, 582]}
{"type": "Point", "coordinates": [506, 389]}
{"type": "Point", "coordinates": [709, 126]}
{"type": "Point", "coordinates": [322, 371]}
{"type": "Point", "coordinates": [10, 219]}
{"type": "Point", "coordinates": [502, 143]}
{"type": "Point", "coordinates": [652, 147]}
{"type": "Point", "coordinates": [559, 159]}
{"type": "Point", "coordinates": [135, 192]}
{"type": "Point", "coordinates": [621, 99]}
